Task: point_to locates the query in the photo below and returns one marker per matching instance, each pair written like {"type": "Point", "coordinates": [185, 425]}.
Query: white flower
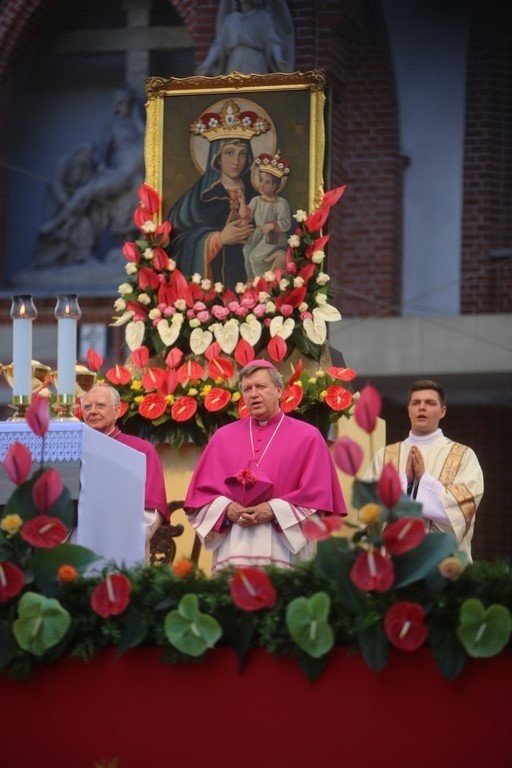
{"type": "Point", "coordinates": [178, 319]}
{"type": "Point", "coordinates": [218, 287]}
{"type": "Point", "coordinates": [148, 227]}
{"type": "Point", "coordinates": [239, 287]}
{"type": "Point", "coordinates": [196, 278]}
{"type": "Point", "coordinates": [119, 305]}
{"type": "Point", "coordinates": [269, 276]}
{"type": "Point", "coordinates": [125, 288]}
{"type": "Point", "coordinates": [298, 282]}
{"type": "Point", "coordinates": [283, 285]}
{"type": "Point", "coordinates": [322, 278]}
{"type": "Point", "coordinates": [172, 265]}
{"type": "Point", "coordinates": [270, 307]}
{"type": "Point", "coordinates": [180, 305]}
{"type": "Point", "coordinates": [227, 335]}
{"type": "Point", "coordinates": [303, 307]}
{"type": "Point", "coordinates": [251, 331]}
{"type": "Point", "coordinates": [148, 254]}
{"type": "Point", "coordinates": [130, 268]}
{"type": "Point", "coordinates": [143, 298]}
{"type": "Point", "coordinates": [318, 257]}
{"type": "Point", "coordinates": [281, 327]}
{"type": "Point", "coordinates": [294, 241]}
{"type": "Point", "coordinates": [300, 216]}
{"type": "Point", "coordinates": [315, 329]}
{"type": "Point", "coordinates": [123, 319]}
{"type": "Point", "coordinates": [263, 296]}
{"type": "Point", "coordinates": [327, 312]}
{"type": "Point", "coordinates": [321, 298]}
{"type": "Point", "coordinates": [154, 313]}
{"type": "Point", "coordinates": [206, 285]}
{"type": "Point", "coordinates": [194, 323]}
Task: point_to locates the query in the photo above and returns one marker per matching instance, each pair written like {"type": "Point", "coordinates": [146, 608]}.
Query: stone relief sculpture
{"type": "Point", "coordinates": [252, 37]}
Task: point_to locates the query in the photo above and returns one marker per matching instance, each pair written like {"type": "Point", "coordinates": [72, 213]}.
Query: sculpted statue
{"type": "Point", "coordinates": [252, 37]}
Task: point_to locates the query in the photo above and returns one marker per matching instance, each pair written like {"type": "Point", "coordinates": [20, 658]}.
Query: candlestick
{"type": "Point", "coordinates": [23, 312]}
{"type": "Point", "coordinates": [67, 312]}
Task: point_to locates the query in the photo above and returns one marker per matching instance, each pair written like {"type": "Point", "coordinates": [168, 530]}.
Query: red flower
{"type": "Point", "coordinates": [316, 220]}
{"type": "Point", "coordinates": [220, 368]}
{"type": "Point", "coordinates": [44, 531]}
{"type": "Point", "coordinates": [244, 353]}
{"type": "Point", "coordinates": [47, 489]}
{"type": "Point", "coordinates": [372, 572]}
{"type": "Point", "coordinates": [94, 360]}
{"type": "Point", "coordinates": [184, 408]}
{"type": "Point", "coordinates": [404, 534]}
{"type": "Point", "coordinates": [112, 596]}
{"type": "Point", "coordinates": [297, 372]}
{"type": "Point", "coordinates": [141, 216]}
{"type": "Point", "coordinates": [17, 462]}
{"type": "Point", "coordinates": [149, 198]}
{"type": "Point", "coordinates": [243, 411]}
{"type": "Point", "coordinates": [291, 398]}
{"type": "Point", "coordinates": [217, 399]}
{"type": "Point", "coordinates": [140, 357]}
{"type": "Point", "coordinates": [318, 528]}
{"type": "Point", "coordinates": [252, 590]}
{"type": "Point", "coordinates": [404, 625]}
{"type": "Point", "coordinates": [331, 198]}
{"type": "Point", "coordinates": [213, 350]}
{"type": "Point", "coordinates": [338, 398]}
{"type": "Point", "coordinates": [169, 383]}
{"type": "Point", "coordinates": [367, 409]}
{"type": "Point", "coordinates": [12, 581]}
{"type": "Point", "coordinates": [123, 408]}
{"type": "Point", "coordinates": [131, 253]}
{"type": "Point", "coordinates": [343, 374]}
{"type": "Point", "coordinates": [147, 278]}
{"type": "Point", "coordinates": [160, 259]}
{"type": "Point", "coordinates": [174, 357]}
{"type": "Point", "coordinates": [38, 415]}
{"type": "Point", "coordinates": [277, 348]}
{"type": "Point", "coordinates": [154, 378]}
{"type": "Point", "coordinates": [190, 371]}
{"type": "Point", "coordinates": [152, 406]}
{"type": "Point", "coordinates": [118, 375]}
{"type": "Point", "coordinates": [389, 486]}
{"type": "Point", "coordinates": [348, 455]}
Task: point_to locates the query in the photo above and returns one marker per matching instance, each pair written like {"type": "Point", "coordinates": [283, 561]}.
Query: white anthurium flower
{"type": "Point", "coordinates": [178, 319]}
{"type": "Point", "coordinates": [251, 331]}
{"type": "Point", "coordinates": [168, 333]}
{"type": "Point", "coordinates": [134, 334]}
{"type": "Point", "coordinates": [200, 341]}
{"type": "Point", "coordinates": [123, 319]}
{"type": "Point", "coordinates": [315, 329]}
{"type": "Point", "coordinates": [281, 327]}
{"type": "Point", "coordinates": [327, 312]}
{"type": "Point", "coordinates": [227, 335]}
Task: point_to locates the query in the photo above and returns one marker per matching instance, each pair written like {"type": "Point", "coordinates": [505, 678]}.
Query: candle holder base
{"type": "Point", "coordinates": [65, 408]}
{"type": "Point", "coordinates": [19, 404]}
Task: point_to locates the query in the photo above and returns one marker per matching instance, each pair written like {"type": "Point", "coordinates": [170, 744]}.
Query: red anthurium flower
{"type": "Point", "coordinates": [291, 398]}
{"type": "Point", "coordinates": [404, 625]}
{"type": "Point", "coordinates": [217, 399]}
{"type": "Point", "coordinates": [119, 374]}
{"type": "Point", "coordinates": [141, 216]}
{"type": "Point", "coordinates": [307, 272]}
{"type": "Point", "coordinates": [213, 350]}
{"type": "Point", "coordinates": [166, 294]}
{"type": "Point", "coordinates": [149, 198]}
{"type": "Point", "coordinates": [404, 534]}
{"type": "Point", "coordinates": [294, 298]}
{"type": "Point", "coordinates": [169, 384]}
{"type": "Point", "coordinates": [348, 455]}
{"type": "Point", "coordinates": [163, 232]}
{"type": "Point", "coordinates": [252, 590]}
{"type": "Point", "coordinates": [131, 252]}
{"type": "Point", "coordinates": [228, 296]}
{"type": "Point", "coordinates": [277, 348]}
{"type": "Point", "coordinates": [140, 312]}
{"type": "Point", "coordinates": [316, 220]}
{"type": "Point", "coordinates": [343, 374]}
{"type": "Point", "coordinates": [37, 415]}
{"type": "Point", "coordinates": [147, 278]}
{"type": "Point", "coordinates": [243, 411]}
{"type": "Point", "coordinates": [244, 353]}
{"type": "Point", "coordinates": [338, 398]}
{"type": "Point", "coordinates": [140, 357]}
{"type": "Point", "coordinates": [297, 372]}
{"type": "Point", "coordinates": [153, 378]}
{"type": "Point", "coordinates": [112, 596]}
{"type": "Point", "coordinates": [367, 409]}
{"type": "Point", "coordinates": [47, 489]}
{"type": "Point", "coordinates": [179, 282]}
{"type": "Point", "coordinates": [332, 197]}
{"type": "Point", "coordinates": [190, 371]}
{"type": "Point", "coordinates": [221, 368]}
{"type": "Point", "coordinates": [44, 531]}
{"type": "Point", "coordinates": [184, 408]}
{"type": "Point", "coordinates": [152, 406]}
{"type": "Point", "coordinates": [372, 572]}
{"type": "Point", "coordinates": [123, 408]}
{"type": "Point", "coordinates": [317, 528]}
{"type": "Point", "coordinates": [160, 259]}
{"type": "Point", "coordinates": [174, 357]}
{"type": "Point", "coordinates": [389, 486]}
{"type": "Point", "coordinates": [94, 360]}
{"type": "Point", "coordinates": [12, 581]}
{"type": "Point", "coordinates": [318, 245]}
{"type": "Point", "coordinates": [17, 462]}
{"type": "Point", "coordinates": [193, 293]}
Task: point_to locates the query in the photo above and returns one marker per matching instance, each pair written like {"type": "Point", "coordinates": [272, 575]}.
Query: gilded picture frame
{"type": "Point", "coordinates": [290, 107]}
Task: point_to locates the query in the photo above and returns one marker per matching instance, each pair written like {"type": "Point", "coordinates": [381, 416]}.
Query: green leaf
{"type": "Point", "coordinates": [364, 492]}
{"type": "Point", "coordinates": [238, 633]}
{"type": "Point", "coordinates": [135, 630]}
{"type": "Point", "coordinates": [334, 561]}
{"type": "Point", "coordinates": [311, 666]}
{"type": "Point", "coordinates": [189, 630]}
{"type": "Point", "coordinates": [418, 562]}
{"type": "Point", "coordinates": [483, 632]}
{"type": "Point", "coordinates": [7, 644]}
{"type": "Point", "coordinates": [46, 562]}
{"type": "Point", "coordinates": [374, 646]}
{"type": "Point", "coordinates": [42, 623]}
{"type": "Point", "coordinates": [306, 619]}
{"type": "Point", "coordinates": [447, 651]}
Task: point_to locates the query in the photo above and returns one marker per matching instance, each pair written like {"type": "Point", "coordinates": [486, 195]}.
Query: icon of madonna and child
{"type": "Point", "coordinates": [233, 223]}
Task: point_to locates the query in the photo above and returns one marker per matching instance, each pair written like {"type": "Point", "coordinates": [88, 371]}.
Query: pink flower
{"type": "Point", "coordinates": [286, 310]}
{"type": "Point", "coordinates": [259, 310]}
{"type": "Point", "coordinates": [219, 313]}
{"type": "Point", "coordinates": [389, 486]}
{"type": "Point", "coordinates": [242, 312]}
{"type": "Point", "coordinates": [348, 455]}
{"type": "Point", "coordinates": [367, 408]}
{"type": "Point", "coordinates": [38, 415]}
{"type": "Point", "coordinates": [203, 317]}
{"type": "Point", "coordinates": [17, 462]}
{"type": "Point", "coordinates": [47, 489]}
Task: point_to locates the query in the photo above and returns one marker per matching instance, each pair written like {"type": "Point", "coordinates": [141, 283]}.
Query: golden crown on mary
{"type": "Point", "coordinates": [230, 123]}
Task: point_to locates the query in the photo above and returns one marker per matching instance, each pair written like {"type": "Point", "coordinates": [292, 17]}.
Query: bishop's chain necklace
{"type": "Point", "coordinates": [257, 463]}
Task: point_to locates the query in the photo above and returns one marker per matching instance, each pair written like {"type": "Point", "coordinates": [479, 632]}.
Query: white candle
{"type": "Point", "coordinates": [22, 357]}
{"type": "Point", "coordinates": [66, 355]}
